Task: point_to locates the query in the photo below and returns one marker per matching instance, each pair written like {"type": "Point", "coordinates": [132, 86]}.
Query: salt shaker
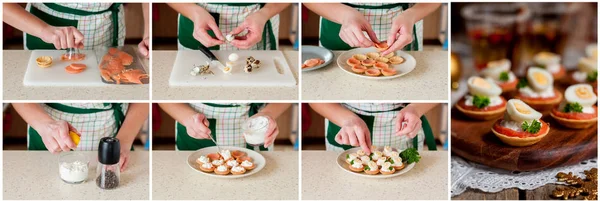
{"type": "Point", "coordinates": [108, 171]}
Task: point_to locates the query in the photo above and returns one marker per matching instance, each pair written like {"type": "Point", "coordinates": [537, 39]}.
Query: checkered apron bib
{"type": "Point", "coordinates": [94, 20]}
{"type": "Point", "coordinates": [93, 121]}
{"type": "Point", "coordinates": [228, 16]}
{"type": "Point", "coordinates": [380, 16]}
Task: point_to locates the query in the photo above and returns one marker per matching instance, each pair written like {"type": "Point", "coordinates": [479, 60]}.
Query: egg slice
{"type": "Point", "coordinates": [546, 58]}
{"type": "Point", "coordinates": [587, 65]}
{"type": "Point", "coordinates": [592, 51]}
{"type": "Point", "coordinates": [519, 111]}
{"type": "Point", "coordinates": [539, 79]}
{"type": "Point", "coordinates": [483, 87]}
{"type": "Point", "coordinates": [582, 94]}
{"type": "Point", "coordinates": [495, 68]}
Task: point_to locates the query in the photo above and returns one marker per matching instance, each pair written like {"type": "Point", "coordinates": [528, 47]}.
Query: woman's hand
{"type": "Point", "coordinates": [401, 33]}
{"type": "Point", "coordinates": [203, 22]}
{"type": "Point", "coordinates": [62, 37]}
{"type": "Point", "coordinates": [272, 131]}
{"type": "Point", "coordinates": [197, 126]}
{"type": "Point", "coordinates": [352, 29]}
{"type": "Point", "coordinates": [254, 26]}
{"type": "Point", "coordinates": [413, 122]}
{"type": "Point", "coordinates": [124, 159]}
{"type": "Point", "coordinates": [55, 135]}
{"type": "Point", "coordinates": [143, 47]}
{"type": "Point", "coordinates": [356, 133]}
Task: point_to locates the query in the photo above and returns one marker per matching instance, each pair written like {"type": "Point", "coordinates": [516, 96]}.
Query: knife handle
{"type": "Point", "coordinates": [208, 53]}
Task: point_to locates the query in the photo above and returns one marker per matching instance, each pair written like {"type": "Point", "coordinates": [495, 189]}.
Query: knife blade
{"type": "Point", "coordinates": [214, 61]}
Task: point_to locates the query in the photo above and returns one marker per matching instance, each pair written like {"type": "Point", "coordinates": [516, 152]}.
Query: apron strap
{"type": "Point", "coordinates": [382, 6]}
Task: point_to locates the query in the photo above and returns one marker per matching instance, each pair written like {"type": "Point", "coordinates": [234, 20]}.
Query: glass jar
{"type": "Point", "coordinates": [255, 130]}
{"type": "Point", "coordinates": [108, 170]}
{"type": "Point", "coordinates": [73, 167]}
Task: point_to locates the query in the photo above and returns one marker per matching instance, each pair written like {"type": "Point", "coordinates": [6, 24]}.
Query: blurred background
{"type": "Point", "coordinates": [483, 32]}
{"type": "Point", "coordinates": [435, 28]}
{"type": "Point", "coordinates": [134, 23]}
{"type": "Point", "coordinates": [15, 131]}
{"type": "Point", "coordinates": [313, 127]}
{"type": "Point", "coordinates": [164, 27]}
{"type": "Point", "coordinates": [163, 130]}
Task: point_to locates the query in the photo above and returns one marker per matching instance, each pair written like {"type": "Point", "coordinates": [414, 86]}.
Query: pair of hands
{"type": "Point", "coordinates": [253, 24]}
{"type": "Point", "coordinates": [400, 35]}
{"type": "Point", "coordinates": [56, 138]}
{"type": "Point", "coordinates": [197, 127]}
{"type": "Point", "coordinates": [70, 37]}
{"type": "Point", "coordinates": [355, 132]}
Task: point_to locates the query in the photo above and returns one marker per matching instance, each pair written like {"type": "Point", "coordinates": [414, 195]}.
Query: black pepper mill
{"type": "Point", "coordinates": [108, 171]}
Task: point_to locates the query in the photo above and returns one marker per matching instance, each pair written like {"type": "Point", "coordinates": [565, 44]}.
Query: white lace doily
{"type": "Point", "coordinates": [476, 176]}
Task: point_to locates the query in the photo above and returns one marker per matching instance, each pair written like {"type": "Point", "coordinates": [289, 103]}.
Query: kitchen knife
{"type": "Point", "coordinates": [214, 61]}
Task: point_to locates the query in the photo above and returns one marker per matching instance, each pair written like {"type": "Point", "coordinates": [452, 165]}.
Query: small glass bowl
{"type": "Point", "coordinates": [73, 167]}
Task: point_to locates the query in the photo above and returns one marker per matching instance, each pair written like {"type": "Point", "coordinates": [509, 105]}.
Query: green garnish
{"type": "Point", "coordinates": [347, 156]}
{"type": "Point", "coordinates": [390, 160]}
{"type": "Point", "coordinates": [522, 83]}
{"type": "Point", "coordinates": [481, 101]}
{"type": "Point", "coordinates": [534, 127]}
{"type": "Point", "coordinates": [504, 76]}
{"type": "Point", "coordinates": [390, 168]}
{"type": "Point", "coordinates": [592, 76]}
{"type": "Point", "coordinates": [410, 155]}
{"type": "Point", "coordinates": [367, 168]}
{"type": "Point", "coordinates": [352, 162]}
{"type": "Point", "coordinates": [371, 156]}
{"type": "Point", "coordinates": [573, 107]}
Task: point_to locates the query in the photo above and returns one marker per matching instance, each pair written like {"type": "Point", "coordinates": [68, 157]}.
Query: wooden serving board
{"type": "Point", "coordinates": [474, 141]}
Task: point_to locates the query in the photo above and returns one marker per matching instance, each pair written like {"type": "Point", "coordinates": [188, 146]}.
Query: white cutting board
{"type": "Point", "coordinates": [56, 75]}
{"type": "Point", "coordinates": [265, 76]}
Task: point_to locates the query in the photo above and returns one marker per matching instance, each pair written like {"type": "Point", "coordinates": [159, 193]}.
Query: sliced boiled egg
{"type": "Point", "coordinates": [546, 58]}
{"type": "Point", "coordinates": [587, 65]}
{"type": "Point", "coordinates": [495, 68]}
{"type": "Point", "coordinates": [582, 94]}
{"type": "Point", "coordinates": [483, 87]}
{"type": "Point", "coordinates": [519, 111]}
{"type": "Point", "coordinates": [539, 79]}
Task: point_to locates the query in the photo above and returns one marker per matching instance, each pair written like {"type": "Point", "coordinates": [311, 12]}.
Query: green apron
{"type": "Point", "coordinates": [330, 31]}
{"type": "Point", "coordinates": [35, 141]}
{"type": "Point", "coordinates": [333, 129]}
{"type": "Point", "coordinates": [186, 30]}
{"type": "Point", "coordinates": [185, 142]}
{"type": "Point", "coordinates": [34, 42]}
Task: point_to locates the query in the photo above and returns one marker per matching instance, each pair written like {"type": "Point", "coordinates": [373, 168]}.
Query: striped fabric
{"type": "Point", "coordinates": [97, 30]}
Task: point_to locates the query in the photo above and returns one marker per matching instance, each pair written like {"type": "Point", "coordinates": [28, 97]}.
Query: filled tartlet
{"type": "Point", "coordinates": [499, 71]}
{"type": "Point", "coordinates": [483, 101]}
{"type": "Point", "coordinates": [587, 72]}
{"type": "Point", "coordinates": [378, 162]}
{"type": "Point", "coordinates": [226, 162]}
{"type": "Point", "coordinates": [550, 62]}
{"type": "Point", "coordinates": [387, 168]}
{"type": "Point", "coordinates": [577, 110]}
{"type": "Point", "coordinates": [521, 125]}
{"type": "Point", "coordinates": [538, 91]}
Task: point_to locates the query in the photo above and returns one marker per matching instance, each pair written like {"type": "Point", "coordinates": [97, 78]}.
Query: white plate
{"type": "Point", "coordinates": [341, 161]}
{"type": "Point", "coordinates": [259, 161]}
{"type": "Point", "coordinates": [402, 69]}
{"type": "Point", "coordinates": [310, 52]}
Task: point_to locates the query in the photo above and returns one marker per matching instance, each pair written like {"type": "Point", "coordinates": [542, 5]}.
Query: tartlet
{"type": "Point", "coordinates": [539, 92]}
{"type": "Point", "coordinates": [578, 110]}
{"type": "Point", "coordinates": [483, 101]}
{"type": "Point", "coordinates": [521, 125]}
{"type": "Point", "coordinates": [550, 62]}
{"type": "Point", "coordinates": [499, 71]}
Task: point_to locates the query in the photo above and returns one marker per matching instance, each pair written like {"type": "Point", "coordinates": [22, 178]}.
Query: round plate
{"type": "Point", "coordinates": [311, 52]}
{"type": "Point", "coordinates": [402, 69]}
{"type": "Point", "coordinates": [341, 161]}
{"type": "Point", "coordinates": [259, 161]}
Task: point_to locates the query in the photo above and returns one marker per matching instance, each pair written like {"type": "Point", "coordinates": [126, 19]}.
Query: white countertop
{"type": "Point", "coordinates": [33, 175]}
{"type": "Point", "coordinates": [173, 179]}
{"type": "Point", "coordinates": [162, 64]}
{"type": "Point", "coordinates": [323, 179]}
{"type": "Point", "coordinates": [15, 64]}
{"type": "Point", "coordinates": [428, 81]}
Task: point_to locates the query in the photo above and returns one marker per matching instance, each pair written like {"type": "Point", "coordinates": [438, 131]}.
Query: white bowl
{"type": "Point", "coordinates": [341, 161]}
{"type": "Point", "coordinates": [404, 68]}
{"type": "Point", "coordinates": [259, 161]}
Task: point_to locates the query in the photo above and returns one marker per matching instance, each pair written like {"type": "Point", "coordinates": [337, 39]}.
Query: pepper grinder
{"type": "Point", "coordinates": [108, 171]}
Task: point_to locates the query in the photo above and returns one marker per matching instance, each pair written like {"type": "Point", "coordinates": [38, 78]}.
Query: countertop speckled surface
{"type": "Point", "coordinates": [33, 175]}
{"type": "Point", "coordinates": [428, 81]}
{"type": "Point", "coordinates": [15, 64]}
{"type": "Point", "coordinates": [173, 179]}
{"type": "Point", "coordinates": [162, 64]}
{"type": "Point", "coordinates": [322, 179]}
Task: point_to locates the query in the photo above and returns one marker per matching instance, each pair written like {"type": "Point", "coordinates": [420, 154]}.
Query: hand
{"type": "Point", "coordinates": [254, 24]}
{"type": "Point", "coordinates": [401, 33]}
{"type": "Point", "coordinates": [203, 22]}
{"type": "Point", "coordinates": [63, 37]}
{"type": "Point", "coordinates": [413, 122]}
{"type": "Point", "coordinates": [356, 133]}
{"type": "Point", "coordinates": [143, 47]}
{"type": "Point", "coordinates": [272, 131]}
{"type": "Point", "coordinates": [124, 159]}
{"type": "Point", "coordinates": [197, 126]}
{"type": "Point", "coordinates": [352, 29]}
{"type": "Point", "coordinates": [55, 135]}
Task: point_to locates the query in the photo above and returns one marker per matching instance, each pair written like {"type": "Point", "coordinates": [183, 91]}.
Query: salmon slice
{"type": "Point", "coordinates": [78, 66]}
{"type": "Point", "coordinates": [72, 70]}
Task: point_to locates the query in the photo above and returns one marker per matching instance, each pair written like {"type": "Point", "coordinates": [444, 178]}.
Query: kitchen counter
{"type": "Point", "coordinates": [173, 179]}
{"type": "Point", "coordinates": [15, 64]}
{"type": "Point", "coordinates": [428, 81]}
{"type": "Point", "coordinates": [162, 64]}
{"type": "Point", "coordinates": [33, 175]}
{"type": "Point", "coordinates": [323, 179]}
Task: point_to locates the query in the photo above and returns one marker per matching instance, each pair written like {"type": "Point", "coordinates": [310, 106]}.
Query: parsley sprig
{"type": "Point", "coordinates": [481, 101]}
{"type": "Point", "coordinates": [504, 76]}
{"type": "Point", "coordinates": [534, 127]}
{"type": "Point", "coordinates": [410, 155]}
{"type": "Point", "coordinates": [522, 83]}
{"type": "Point", "coordinates": [573, 107]}
{"type": "Point", "coordinates": [592, 76]}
